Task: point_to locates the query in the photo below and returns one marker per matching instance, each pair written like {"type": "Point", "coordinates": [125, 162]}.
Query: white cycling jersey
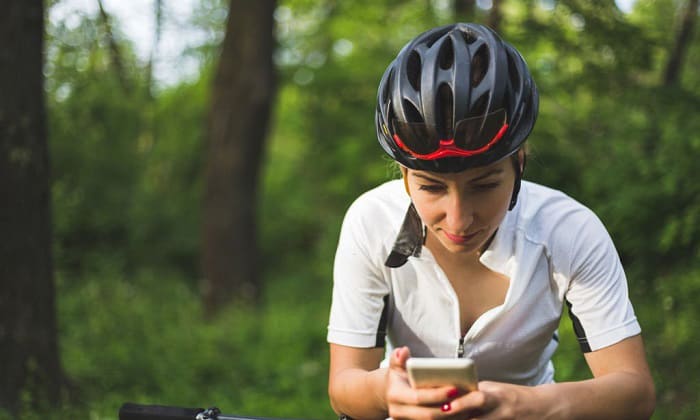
{"type": "Point", "coordinates": [554, 250]}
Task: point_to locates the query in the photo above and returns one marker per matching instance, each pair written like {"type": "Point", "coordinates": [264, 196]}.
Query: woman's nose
{"type": "Point", "coordinates": [459, 214]}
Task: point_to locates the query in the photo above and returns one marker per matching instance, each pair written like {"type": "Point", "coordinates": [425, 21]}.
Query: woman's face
{"type": "Point", "coordinates": [461, 210]}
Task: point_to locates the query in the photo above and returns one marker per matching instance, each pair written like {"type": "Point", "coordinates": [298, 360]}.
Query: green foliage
{"type": "Point", "coordinates": [163, 225]}
{"type": "Point", "coordinates": [143, 339]}
{"type": "Point", "coordinates": [127, 180]}
{"type": "Point", "coordinates": [125, 166]}
{"type": "Point", "coordinates": [669, 313]}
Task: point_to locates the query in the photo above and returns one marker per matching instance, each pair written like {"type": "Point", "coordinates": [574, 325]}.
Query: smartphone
{"type": "Point", "coordinates": [433, 371]}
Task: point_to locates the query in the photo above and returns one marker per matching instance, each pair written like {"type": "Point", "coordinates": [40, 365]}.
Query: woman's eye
{"type": "Point", "coordinates": [431, 188]}
{"type": "Point", "coordinates": [487, 187]}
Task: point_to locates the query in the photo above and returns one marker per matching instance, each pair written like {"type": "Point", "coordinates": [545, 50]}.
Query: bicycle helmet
{"type": "Point", "coordinates": [454, 98]}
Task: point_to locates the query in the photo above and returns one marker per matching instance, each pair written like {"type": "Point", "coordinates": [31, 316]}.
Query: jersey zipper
{"type": "Point", "coordinates": [460, 348]}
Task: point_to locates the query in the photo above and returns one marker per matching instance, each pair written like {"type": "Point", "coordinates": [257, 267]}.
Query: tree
{"type": "Point", "coordinates": [158, 32]}
{"type": "Point", "coordinates": [465, 10]}
{"type": "Point", "coordinates": [29, 359]}
{"type": "Point", "coordinates": [495, 16]}
{"type": "Point", "coordinates": [675, 61]}
{"type": "Point", "coordinates": [115, 53]}
{"type": "Point", "coordinates": [237, 127]}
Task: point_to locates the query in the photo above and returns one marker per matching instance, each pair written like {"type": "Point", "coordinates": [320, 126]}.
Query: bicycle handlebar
{"type": "Point", "coordinates": [132, 411]}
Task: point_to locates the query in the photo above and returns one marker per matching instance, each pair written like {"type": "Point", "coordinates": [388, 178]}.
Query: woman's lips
{"type": "Point", "coordinates": [460, 239]}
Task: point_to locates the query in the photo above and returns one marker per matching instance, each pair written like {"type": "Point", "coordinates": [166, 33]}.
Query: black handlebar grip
{"type": "Point", "coordinates": [131, 411]}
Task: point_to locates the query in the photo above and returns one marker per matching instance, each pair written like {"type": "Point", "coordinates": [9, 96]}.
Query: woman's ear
{"type": "Point", "coordinates": [404, 175]}
{"type": "Point", "coordinates": [522, 158]}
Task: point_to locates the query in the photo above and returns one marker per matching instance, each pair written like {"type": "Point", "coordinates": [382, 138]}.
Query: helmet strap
{"type": "Point", "coordinates": [518, 177]}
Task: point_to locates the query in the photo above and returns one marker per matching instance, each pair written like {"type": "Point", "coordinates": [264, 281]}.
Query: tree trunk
{"type": "Point", "coordinates": [157, 32]}
{"type": "Point", "coordinates": [242, 96]}
{"type": "Point", "coordinates": [465, 10]}
{"type": "Point", "coordinates": [29, 360]}
{"type": "Point", "coordinates": [114, 51]}
{"type": "Point", "coordinates": [675, 60]}
{"type": "Point", "coordinates": [495, 16]}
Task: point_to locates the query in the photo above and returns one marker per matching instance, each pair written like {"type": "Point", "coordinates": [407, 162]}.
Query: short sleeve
{"type": "Point", "coordinates": [597, 297]}
{"type": "Point", "coordinates": [360, 297]}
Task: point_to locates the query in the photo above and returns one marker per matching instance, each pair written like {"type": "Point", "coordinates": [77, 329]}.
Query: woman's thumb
{"type": "Point", "coordinates": [399, 357]}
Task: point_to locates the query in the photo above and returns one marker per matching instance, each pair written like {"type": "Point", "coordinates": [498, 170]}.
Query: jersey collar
{"type": "Point", "coordinates": [409, 241]}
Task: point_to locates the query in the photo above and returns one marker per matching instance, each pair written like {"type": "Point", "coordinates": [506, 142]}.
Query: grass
{"type": "Point", "coordinates": [144, 340]}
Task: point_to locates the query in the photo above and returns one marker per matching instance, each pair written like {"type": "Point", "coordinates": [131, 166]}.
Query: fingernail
{"type": "Point", "coordinates": [452, 393]}
{"type": "Point", "coordinates": [446, 407]}
{"type": "Point", "coordinates": [396, 353]}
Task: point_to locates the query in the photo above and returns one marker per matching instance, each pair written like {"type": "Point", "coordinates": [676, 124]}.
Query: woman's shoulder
{"type": "Point", "coordinates": [379, 212]}
{"type": "Point", "coordinates": [548, 204]}
{"type": "Point", "coordinates": [386, 200]}
{"type": "Point", "coordinates": [548, 214]}
{"type": "Point", "coordinates": [373, 220]}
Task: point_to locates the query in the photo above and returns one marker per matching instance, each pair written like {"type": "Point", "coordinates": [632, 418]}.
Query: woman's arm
{"type": "Point", "coordinates": [622, 388]}
{"type": "Point", "coordinates": [361, 390]}
{"type": "Point", "coordinates": [356, 384]}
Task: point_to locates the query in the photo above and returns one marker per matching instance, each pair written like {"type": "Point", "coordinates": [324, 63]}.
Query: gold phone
{"type": "Point", "coordinates": [433, 371]}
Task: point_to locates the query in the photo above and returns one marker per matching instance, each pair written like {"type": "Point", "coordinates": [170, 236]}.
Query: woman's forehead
{"type": "Point", "coordinates": [493, 169]}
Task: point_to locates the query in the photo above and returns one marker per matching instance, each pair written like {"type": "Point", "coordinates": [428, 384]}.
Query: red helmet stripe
{"type": "Point", "coordinates": [449, 149]}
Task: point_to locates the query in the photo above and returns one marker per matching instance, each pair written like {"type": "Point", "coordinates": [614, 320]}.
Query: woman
{"type": "Point", "coordinates": [462, 259]}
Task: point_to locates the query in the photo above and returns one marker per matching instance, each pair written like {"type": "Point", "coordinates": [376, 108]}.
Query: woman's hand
{"type": "Point", "coordinates": [493, 400]}
{"type": "Point", "coordinates": [405, 402]}
{"type": "Point", "coordinates": [496, 400]}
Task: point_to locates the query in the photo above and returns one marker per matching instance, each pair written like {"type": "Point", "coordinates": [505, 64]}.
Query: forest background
{"type": "Point", "coordinates": [129, 156]}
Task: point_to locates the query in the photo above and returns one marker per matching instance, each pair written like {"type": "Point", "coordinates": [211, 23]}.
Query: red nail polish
{"type": "Point", "coordinates": [452, 393]}
{"type": "Point", "coordinates": [446, 407]}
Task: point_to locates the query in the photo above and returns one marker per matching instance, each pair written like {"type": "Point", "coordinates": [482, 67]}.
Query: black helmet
{"type": "Point", "coordinates": [455, 97]}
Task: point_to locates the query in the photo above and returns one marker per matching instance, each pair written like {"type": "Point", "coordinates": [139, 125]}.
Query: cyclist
{"type": "Point", "coordinates": [461, 258]}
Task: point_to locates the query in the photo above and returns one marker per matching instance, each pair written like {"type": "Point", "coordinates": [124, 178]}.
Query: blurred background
{"type": "Point", "coordinates": [173, 185]}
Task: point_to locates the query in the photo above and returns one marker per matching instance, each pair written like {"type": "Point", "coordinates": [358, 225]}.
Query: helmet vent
{"type": "Point", "coordinates": [413, 70]}
{"type": "Point", "coordinates": [469, 37]}
{"type": "Point", "coordinates": [385, 90]}
{"type": "Point", "coordinates": [513, 74]}
{"type": "Point", "coordinates": [412, 114]}
{"type": "Point", "coordinates": [479, 107]}
{"type": "Point", "coordinates": [446, 56]}
{"type": "Point", "coordinates": [434, 37]}
{"type": "Point", "coordinates": [391, 116]}
{"type": "Point", "coordinates": [444, 111]}
{"type": "Point", "coordinates": [480, 62]}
